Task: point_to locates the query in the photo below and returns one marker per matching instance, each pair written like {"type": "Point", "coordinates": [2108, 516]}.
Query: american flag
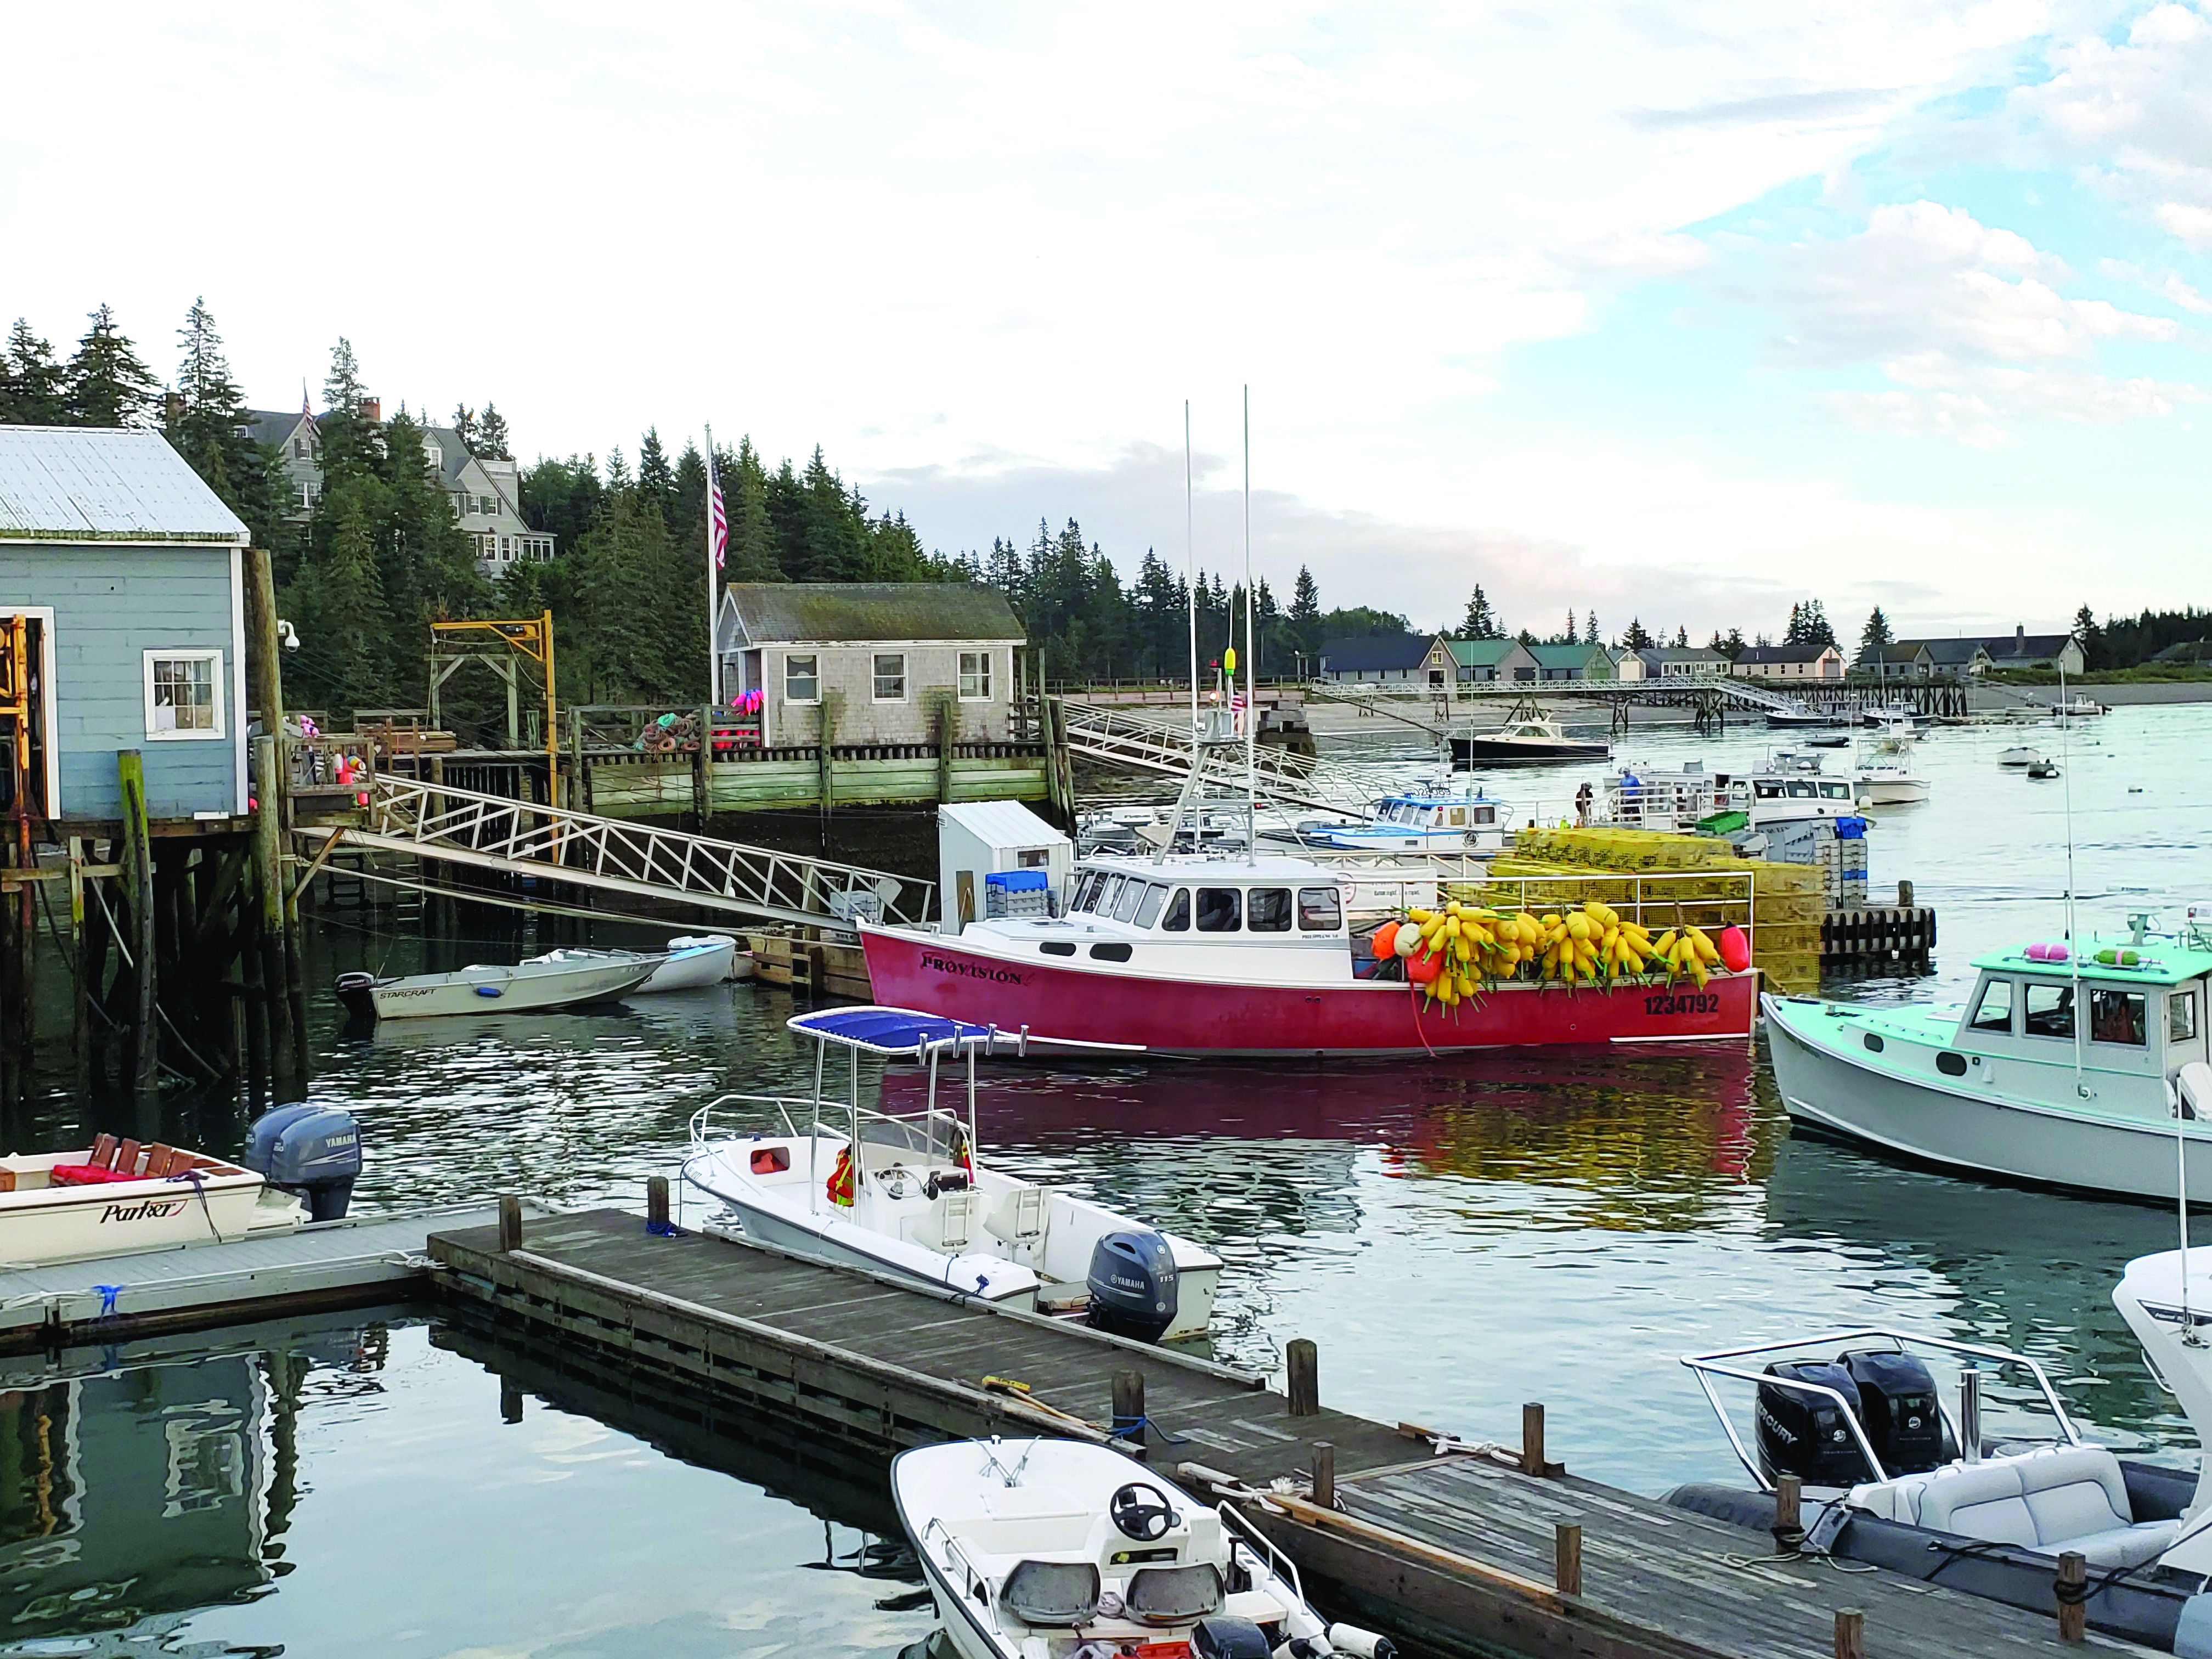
{"type": "Point", "coordinates": [717, 520]}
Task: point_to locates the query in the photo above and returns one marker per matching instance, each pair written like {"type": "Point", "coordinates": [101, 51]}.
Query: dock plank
{"type": "Point", "coordinates": [1455, 1551]}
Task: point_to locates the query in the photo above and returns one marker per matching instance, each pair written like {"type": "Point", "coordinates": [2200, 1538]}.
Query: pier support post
{"type": "Point", "coordinates": [1129, 1406]}
{"type": "Point", "coordinates": [1788, 1527]}
{"type": "Point", "coordinates": [1324, 1473]}
{"type": "Point", "coordinates": [1567, 1557]}
{"type": "Point", "coordinates": [510, 1400]}
{"type": "Point", "coordinates": [1532, 1438]}
{"type": "Point", "coordinates": [2073, 1593]}
{"type": "Point", "coordinates": [1850, 1634]}
{"type": "Point", "coordinates": [510, 1223]}
{"type": "Point", "coordinates": [81, 986]}
{"type": "Point", "coordinates": [656, 1204]}
{"type": "Point", "coordinates": [1904, 896]}
{"type": "Point", "coordinates": [138, 887]}
{"type": "Point", "coordinates": [1302, 1366]}
{"type": "Point", "coordinates": [269, 883]}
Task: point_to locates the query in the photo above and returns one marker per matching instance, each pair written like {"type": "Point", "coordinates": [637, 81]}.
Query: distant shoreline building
{"type": "Point", "coordinates": [1968, 657]}
{"type": "Point", "coordinates": [485, 492]}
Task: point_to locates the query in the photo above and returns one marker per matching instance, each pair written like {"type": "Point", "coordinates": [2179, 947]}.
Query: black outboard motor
{"type": "Point", "coordinates": [1224, 1636]}
{"type": "Point", "coordinates": [311, 1151]}
{"type": "Point", "coordinates": [1133, 1284]}
{"type": "Point", "coordinates": [1897, 1397]}
{"type": "Point", "coordinates": [1805, 1434]}
{"type": "Point", "coordinates": [358, 992]}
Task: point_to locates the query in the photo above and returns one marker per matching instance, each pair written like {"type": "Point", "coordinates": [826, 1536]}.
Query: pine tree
{"type": "Point", "coordinates": [752, 554]}
{"type": "Point", "coordinates": [1589, 630]}
{"type": "Point", "coordinates": [1809, 625]}
{"type": "Point", "coordinates": [465, 427]}
{"type": "Point", "coordinates": [107, 384]}
{"type": "Point", "coordinates": [34, 386]}
{"type": "Point", "coordinates": [1682, 637]}
{"type": "Point", "coordinates": [2096, 653]}
{"type": "Point", "coordinates": [1479, 623]}
{"type": "Point", "coordinates": [1305, 612]}
{"type": "Point", "coordinates": [1875, 635]}
{"type": "Point", "coordinates": [1635, 638]}
{"type": "Point", "coordinates": [346, 435]}
{"type": "Point", "coordinates": [344, 624]}
{"type": "Point", "coordinates": [208, 430]}
{"type": "Point", "coordinates": [656, 479]}
{"type": "Point", "coordinates": [491, 435]}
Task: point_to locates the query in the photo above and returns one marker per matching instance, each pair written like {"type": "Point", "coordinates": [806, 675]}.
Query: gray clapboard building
{"type": "Point", "coordinates": [129, 572]}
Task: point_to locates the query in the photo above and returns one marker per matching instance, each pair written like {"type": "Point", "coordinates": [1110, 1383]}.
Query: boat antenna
{"type": "Point", "coordinates": [1251, 667]}
{"type": "Point", "coordinates": [2073, 937]}
{"type": "Point", "coordinates": [1190, 567]}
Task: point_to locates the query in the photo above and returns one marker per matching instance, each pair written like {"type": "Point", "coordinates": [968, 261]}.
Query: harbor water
{"type": "Point", "coordinates": [1458, 1236]}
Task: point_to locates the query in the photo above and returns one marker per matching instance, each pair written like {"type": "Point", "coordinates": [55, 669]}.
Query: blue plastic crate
{"type": "Point", "coordinates": [1018, 881]}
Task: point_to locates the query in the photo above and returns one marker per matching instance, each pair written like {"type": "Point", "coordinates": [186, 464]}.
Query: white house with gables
{"type": "Point", "coordinates": [870, 662]}
{"type": "Point", "coordinates": [485, 492]}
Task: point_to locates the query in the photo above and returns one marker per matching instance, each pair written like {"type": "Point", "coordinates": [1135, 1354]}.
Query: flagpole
{"type": "Point", "coordinates": [713, 657]}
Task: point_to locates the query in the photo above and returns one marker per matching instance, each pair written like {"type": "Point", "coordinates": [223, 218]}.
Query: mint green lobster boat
{"type": "Point", "coordinates": [2013, 1084]}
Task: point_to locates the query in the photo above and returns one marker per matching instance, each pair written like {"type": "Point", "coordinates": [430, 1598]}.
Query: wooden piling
{"type": "Point", "coordinates": [1532, 1438]}
{"type": "Point", "coordinates": [656, 1202]}
{"type": "Point", "coordinates": [138, 891]}
{"type": "Point", "coordinates": [1789, 1512]}
{"type": "Point", "coordinates": [2072, 1592]}
{"type": "Point", "coordinates": [1567, 1557]}
{"type": "Point", "coordinates": [80, 968]}
{"type": "Point", "coordinates": [510, 1400]}
{"type": "Point", "coordinates": [269, 882]}
{"type": "Point", "coordinates": [1324, 1473]}
{"type": "Point", "coordinates": [1302, 1366]}
{"type": "Point", "coordinates": [510, 1223]}
{"type": "Point", "coordinates": [1129, 1406]}
{"type": "Point", "coordinates": [1850, 1634]}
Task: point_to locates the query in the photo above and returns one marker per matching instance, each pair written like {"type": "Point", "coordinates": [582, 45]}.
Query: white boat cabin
{"type": "Point", "coordinates": [1417, 821]}
{"type": "Point", "coordinates": [1789, 789]}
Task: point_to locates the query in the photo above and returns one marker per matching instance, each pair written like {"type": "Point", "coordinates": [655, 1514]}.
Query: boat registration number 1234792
{"type": "Point", "coordinates": [1700, 1002]}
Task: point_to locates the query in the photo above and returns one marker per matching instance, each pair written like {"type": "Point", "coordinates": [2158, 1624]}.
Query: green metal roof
{"type": "Point", "coordinates": [1483, 653]}
{"type": "Point", "coordinates": [780, 613]}
{"type": "Point", "coordinates": [2161, 961]}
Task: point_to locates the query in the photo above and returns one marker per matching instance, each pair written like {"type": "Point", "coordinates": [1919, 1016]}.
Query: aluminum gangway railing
{"type": "Point", "coordinates": [428, 820]}
{"type": "Point", "coordinates": [1163, 744]}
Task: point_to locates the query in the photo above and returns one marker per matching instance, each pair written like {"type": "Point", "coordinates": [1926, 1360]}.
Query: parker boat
{"type": "Point", "coordinates": [909, 1192]}
{"type": "Point", "coordinates": [1892, 1479]}
{"type": "Point", "coordinates": [118, 1197]}
{"type": "Point", "coordinates": [1433, 817]}
{"type": "Point", "coordinates": [542, 984]}
{"type": "Point", "coordinates": [1795, 712]}
{"type": "Point", "coordinates": [686, 965]}
{"type": "Point", "coordinates": [2014, 1083]}
{"type": "Point", "coordinates": [1044, 1549]}
{"type": "Point", "coordinates": [1884, 776]}
{"type": "Point", "coordinates": [1524, 743]}
{"type": "Point", "coordinates": [2021, 754]}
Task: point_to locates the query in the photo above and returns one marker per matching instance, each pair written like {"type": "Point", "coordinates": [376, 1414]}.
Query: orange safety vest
{"type": "Point", "coordinates": [841, 1178]}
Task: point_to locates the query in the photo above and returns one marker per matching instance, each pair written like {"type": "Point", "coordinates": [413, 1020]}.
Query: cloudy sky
{"type": "Point", "coordinates": [1681, 311]}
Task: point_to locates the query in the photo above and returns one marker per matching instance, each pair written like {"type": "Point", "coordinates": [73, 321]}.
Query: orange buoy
{"type": "Point", "coordinates": [1735, 949]}
{"type": "Point", "coordinates": [1386, 940]}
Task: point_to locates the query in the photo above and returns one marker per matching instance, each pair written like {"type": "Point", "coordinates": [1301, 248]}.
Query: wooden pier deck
{"type": "Point", "coordinates": [1455, 1553]}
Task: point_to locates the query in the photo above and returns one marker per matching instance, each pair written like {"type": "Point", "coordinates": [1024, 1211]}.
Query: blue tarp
{"type": "Point", "coordinates": [885, 1030]}
{"type": "Point", "coordinates": [1850, 829]}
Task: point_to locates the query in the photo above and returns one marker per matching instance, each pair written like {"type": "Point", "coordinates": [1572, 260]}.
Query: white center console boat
{"type": "Point", "coordinates": [910, 1194]}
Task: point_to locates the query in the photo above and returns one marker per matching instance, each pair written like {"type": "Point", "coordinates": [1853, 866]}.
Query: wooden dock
{"type": "Point", "coordinates": [1462, 1554]}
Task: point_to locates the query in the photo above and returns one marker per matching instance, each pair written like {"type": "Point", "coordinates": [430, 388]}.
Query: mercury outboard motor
{"type": "Point", "coordinates": [311, 1151]}
{"type": "Point", "coordinates": [1897, 1396]}
{"type": "Point", "coordinates": [1805, 1434]}
{"type": "Point", "coordinates": [1224, 1636]}
{"type": "Point", "coordinates": [1133, 1284]}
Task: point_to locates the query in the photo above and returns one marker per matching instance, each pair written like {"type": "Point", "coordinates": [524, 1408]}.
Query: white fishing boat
{"type": "Point", "coordinates": [1884, 776]}
{"type": "Point", "coordinates": [1044, 1549]}
{"type": "Point", "coordinates": [909, 1192]}
{"type": "Point", "coordinates": [2021, 753]}
{"type": "Point", "coordinates": [1431, 818]}
{"type": "Point", "coordinates": [533, 986]}
{"type": "Point", "coordinates": [2061, 1067]}
{"type": "Point", "coordinates": [1790, 788]}
{"type": "Point", "coordinates": [118, 1197]}
{"type": "Point", "coordinates": [1795, 712]}
{"type": "Point", "coordinates": [687, 964]}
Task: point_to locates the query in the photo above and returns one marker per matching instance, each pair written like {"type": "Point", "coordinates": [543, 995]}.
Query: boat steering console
{"type": "Point", "coordinates": [1134, 1517]}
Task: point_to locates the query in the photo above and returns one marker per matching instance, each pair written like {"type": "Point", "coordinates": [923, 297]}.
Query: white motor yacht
{"type": "Point", "coordinates": [1046, 1549]}
{"type": "Point", "coordinates": [1433, 817]}
{"type": "Point", "coordinates": [1524, 743]}
{"type": "Point", "coordinates": [1884, 776]}
{"type": "Point", "coordinates": [909, 1193]}
{"type": "Point", "coordinates": [687, 964]}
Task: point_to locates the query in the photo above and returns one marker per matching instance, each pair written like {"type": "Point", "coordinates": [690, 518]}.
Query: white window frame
{"type": "Point", "coordinates": [876, 676]}
{"type": "Point", "coordinates": [219, 707]}
{"type": "Point", "coordinates": [814, 657]}
{"type": "Point", "coordinates": [984, 674]}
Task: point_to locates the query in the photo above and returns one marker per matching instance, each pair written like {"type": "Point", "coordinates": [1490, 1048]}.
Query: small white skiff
{"type": "Point", "coordinates": [1054, 1548]}
{"type": "Point", "coordinates": [686, 965]}
{"type": "Point", "coordinates": [544, 983]}
{"type": "Point", "coordinates": [119, 1197]}
{"type": "Point", "coordinates": [909, 1193]}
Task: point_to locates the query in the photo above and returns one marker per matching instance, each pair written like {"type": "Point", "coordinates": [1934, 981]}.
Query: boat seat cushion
{"type": "Point", "coordinates": [2069, 1497]}
{"type": "Point", "coordinates": [1017, 1217]}
{"type": "Point", "coordinates": [1979, 1500]}
{"type": "Point", "coordinates": [947, 1225]}
{"type": "Point", "coordinates": [1057, 1595]}
{"type": "Point", "coordinates": [1173, 1595]}
{"type": "Point", "coordinates": [86, 1174]}
{"type": "Point", "coordinates": [2122, 1546]}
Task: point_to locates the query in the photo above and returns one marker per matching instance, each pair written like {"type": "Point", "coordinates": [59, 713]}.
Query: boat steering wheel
{"type": "Point", "coordinates": [1133, 1518]}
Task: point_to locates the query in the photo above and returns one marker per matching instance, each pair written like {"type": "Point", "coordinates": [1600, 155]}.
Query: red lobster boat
{"type": "Point", "coordinates": [1190, 954]}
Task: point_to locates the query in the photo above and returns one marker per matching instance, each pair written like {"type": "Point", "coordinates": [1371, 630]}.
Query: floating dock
{"type": "Point", "coordinates": [355, 1262]}
{"type": "Point", "coordinates": [1892, 933]}
{"type": "Point", "coordinates": [1466, 1550]}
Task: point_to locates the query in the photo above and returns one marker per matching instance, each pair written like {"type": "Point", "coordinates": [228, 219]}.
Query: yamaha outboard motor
{"type": "Point", "coordinates": [1897, 1397]}
{"type": "Point", "coordinates": [1805, 1434]}
{"type": "Point", "coordinates": [1133, 1284]}
{"type": "Point", "coordinates": [311, 1151]}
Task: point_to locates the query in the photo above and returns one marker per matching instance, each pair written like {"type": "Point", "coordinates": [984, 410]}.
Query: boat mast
{"type": "Point", "coordinates": [1190, 568]}
{"type": "Point", "coordinates": [1251, 663]}
{"type": "Point", "coordinates": [2073, 936]}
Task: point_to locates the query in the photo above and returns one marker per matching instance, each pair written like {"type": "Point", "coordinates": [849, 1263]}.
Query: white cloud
{"type": "Point", "coordinates": [2166, 284]}
{"type": "Point", "coordinates": [2135, 113]}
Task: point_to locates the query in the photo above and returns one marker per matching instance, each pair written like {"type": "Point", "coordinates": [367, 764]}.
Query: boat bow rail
{"type": "Point", "coordinates": [1166, 746]}
{"type": "Point", "coordinates": [430, 820]}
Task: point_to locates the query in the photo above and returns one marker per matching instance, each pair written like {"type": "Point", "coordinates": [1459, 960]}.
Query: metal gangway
{"type": "Point", "coordinates": [1163, 744]}
{"type": "Point", "coordinates": [429, 820]}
